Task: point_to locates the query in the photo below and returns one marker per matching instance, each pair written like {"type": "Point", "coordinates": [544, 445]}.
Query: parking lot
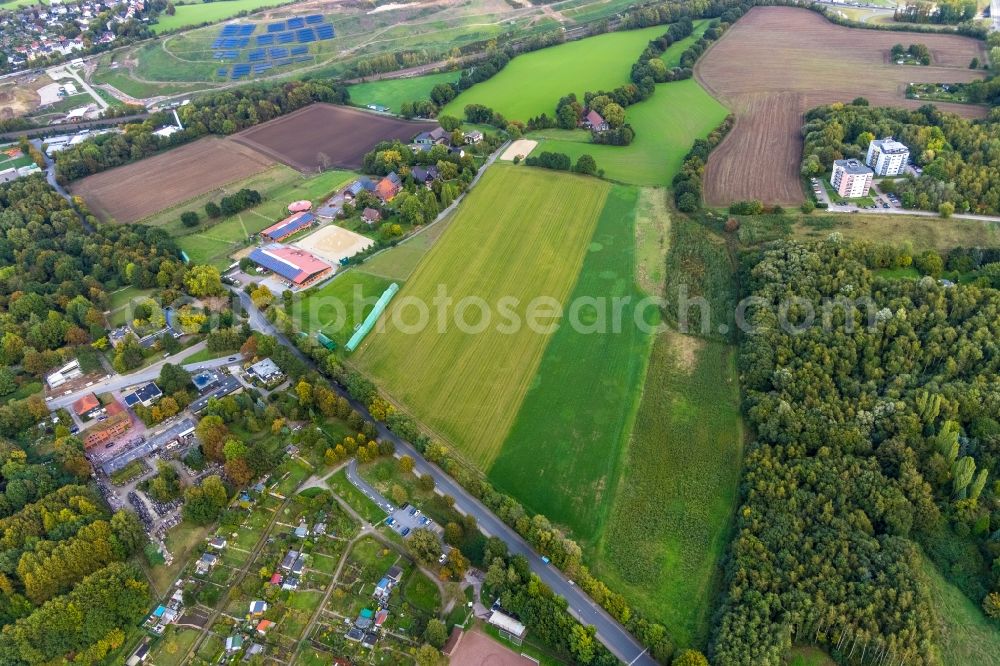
{"type": "Point", "coordinates": [407, 518]}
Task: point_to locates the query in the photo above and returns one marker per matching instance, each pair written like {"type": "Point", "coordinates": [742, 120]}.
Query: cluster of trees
{"type": "Point", "coordinates": [585, 164]}
{"type": "Point", "coordinates": [218, 113]}
{"type": "Point", "coordinates": [959, 166]}
{"type": "Point", "coordinates": [166, 486]}
{"type": "Point", "coordinates": [687, 183]}
{"type": "Point", "coordinates": [205, 502]}
{"type": "Point", "coordinates": [228, 205]}
{"type": "Point", "coordinates": [947, 11]}
{"type": "Point", "coordinates": [87, 623]}
{"type": "Point", "coordinates": [918, 52]}
{"type": "Point", "coordinates": [875, 427]}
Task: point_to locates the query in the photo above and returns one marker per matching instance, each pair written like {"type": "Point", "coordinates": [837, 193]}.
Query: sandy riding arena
{"type": "Point", "coordinates": [334, 243]}
{"type": "Point", "coordinates": [522, 147]}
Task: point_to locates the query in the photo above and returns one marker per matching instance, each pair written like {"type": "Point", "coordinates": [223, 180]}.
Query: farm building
{"type": "Point", "coordinates": [887, 157]}
{"type": "Point", "coordinates": [355, 188]}
{"type": "Point", "coordinates": [288, 226]}
{"type": "Point", "coordinates": [115, 424]}
{"type": "Point", "coordinates": [594, 121]}
{"type": "Point", "coordinates": [851, 178]}
{"type": "Point", "coordinates": [371, 216]}
{"type": "Point", "coordinates": [298, 267]}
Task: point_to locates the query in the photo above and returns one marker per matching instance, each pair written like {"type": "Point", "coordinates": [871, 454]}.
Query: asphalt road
{"type": "Point", "coordinates": [619, 641]}
{"type": "Point", "coordinates": [147, 374]}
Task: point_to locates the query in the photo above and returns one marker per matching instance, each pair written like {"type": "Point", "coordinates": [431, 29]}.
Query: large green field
{"type": "Point", "coordinates": [196, 13]}
{"type": "Point", "coordinates": [669, 523]}
{"type": "Point", "coordinates": [532, 83]}
{"type": "Point", "coordinates": [967, 636]}
{"type": "Point", "coordinates": [665, 126]}
{"type": "Point", "coordinates": [583, 397]}
{"type": "Point", "coordinates": [394, 92]}
{"type": "Point", "coordinates": [521, 234]}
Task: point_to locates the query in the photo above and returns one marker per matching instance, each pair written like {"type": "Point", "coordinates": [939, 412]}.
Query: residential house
{"type": "Point", "coordinates": [437, 136]}
{"type": "Point", "coordinates": [289, 560]}
{"type": "Point", "coordinates": [382, 589]}
{"type": "Point", "coordinates": [371, 216]}
{"type": "Point", "coordinates": [369, 640]}
{"type": "Point", "coordinates": [266, 371]}
{"type": "Point", "coordinates": [381, 617]}
{"type": "Point", "coordinates": [473, 136]}
{"type": "Point", "coordinates": [302, 531]}
{"type": "Point", "coordinates": [291, 584]}
{"type": "Point", "coordinates": [258, 608]}
{"type": "Point", "coordinates": [234, 644]}
{"type": "Point", "coordinates": [276, 579]}
{"type": "Point", "coordinates": [206, 564]}
{"type": "Point", "coordinates": [87, 407]}
{"type": "Point", "coordinates": [252, 651]}
{"type": "Point", "coordinates": [263, 626]}
{"type": "Point", "coordinates": [319, 529]}
{"type": "Point", "coordinates": [145, 395]}
{"type": "Point", "coordinates": [355, 188]}
{"type": "Point", "coordinates": [365, 618]}
{"type": "Point", "coordinates": [593, 121]}
{"type": "Point", "coordinates": [355, 635]}
{"type": "Point", "coordinates": [218, 543]}
{"type": "Point", "coordinates": [394, 574]}
{"type": "Point", "coordinates": [386, 190]}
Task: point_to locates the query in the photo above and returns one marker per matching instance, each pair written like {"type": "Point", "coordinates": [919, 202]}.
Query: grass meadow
{"type": "Point", "coordinates": [394, 92]}
{"type": "Point", "coordinates": [966, 636]}
{"type": "Point", "coordinates": [531, 84]}
{"type": "Point", "coordinates": [468, 386]}
{"type": "Point", "coordinates": [665, 126]}
{"type": "Point", "coordinates": [340, 305]}
{"type": "Point", "coordinates": [669, 522]}
{"type": "Point", "coordinates": [583, 398]}
{"type": "Point", "coordinates": [196, 13]}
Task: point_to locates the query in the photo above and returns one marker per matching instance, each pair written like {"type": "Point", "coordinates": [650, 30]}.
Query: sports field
{"type": "Point", "coordinates": [469, 385]}
{"type": "Point", "coordinates": [665, 126]}
{"type": "Point", "coordinates": [394, 92]}
{"type": "Point", "coordinates": [669, 522]}
{"type": "Point", "coordinates": [532, 83]}
{"type": "Point", "coordinates": [196, 13]}
{"type": "Point", "coordinates": [583, 397]}
{"type": "Point", "coordinates": [341, 304]}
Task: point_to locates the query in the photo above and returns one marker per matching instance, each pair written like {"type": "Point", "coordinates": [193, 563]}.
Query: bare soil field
{"type": "Point", "coordinates": [478, 649]}
{"type": "Point", "coordinates": [522, 147]}
{"type": "Point", "coordinates": [778, 62]}
{"type": "Point", "coordinates": [321, 136]}
{"type": "Point", "coordinates": [334, 243]}
{"type": "Point", "coordinates": [135, 191]}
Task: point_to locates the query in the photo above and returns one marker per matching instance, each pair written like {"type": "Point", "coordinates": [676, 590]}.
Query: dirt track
{"type": "Point", "coordinates": [778, 62]}
{"type": "Point", "coordinates": [135, 191]}
{"type": "Point", "coordinates": [323, 135]}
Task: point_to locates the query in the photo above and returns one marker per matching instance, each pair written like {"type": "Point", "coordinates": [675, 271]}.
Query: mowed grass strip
{"type": "Point", "coordinates": [669, 523]}
{"type": "Point", "coordinates": [521, 234]}
{"type": "Point", "coordinates": [583, 397]}
{"type": "Point", "coordinates": [531, 84]}
{"type": "Point", "coordinates": [665, 126]}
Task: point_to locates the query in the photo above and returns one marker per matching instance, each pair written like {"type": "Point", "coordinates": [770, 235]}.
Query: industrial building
{"type": "Point", "coordinates": [289, 226]}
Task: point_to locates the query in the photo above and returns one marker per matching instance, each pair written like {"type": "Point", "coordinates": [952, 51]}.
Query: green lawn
{"type": "Point", "coordinates": [340, 305]}
{"type": "Point", "coordinates": [173, 647]}
{"type": "Point", "coordinates": [583, 397]}
{"type": "Point", "coordinates": [968, 637]}
{"type": "Point", "coordinates": [421, 592]}
{"type": "Point", "coordinates": [208, 12]}
{"type": "Point", "coordinates": [669, 523]}
{"type": "Point", "coordinates": [499, 254]}
{"type": "Point", "coordinates": [532, 83]}
{"type": "Point", "coordinates": [368, 510]}
{"type": "Point", "coordinates": [665, 126]}
{"type": "Point", "coordinates": [394, 92]}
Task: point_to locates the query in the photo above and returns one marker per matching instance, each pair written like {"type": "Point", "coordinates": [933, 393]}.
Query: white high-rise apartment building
{"type": "Point", "coordinates": [887, 157]}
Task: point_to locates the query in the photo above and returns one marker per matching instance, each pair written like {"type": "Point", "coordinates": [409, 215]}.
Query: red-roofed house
{"type": "Point", "coordinates": [594, 121]}
{"type": "Point", "coordinates": [86, 406]}
{"type": "Point", "coordinates": [264, 626]}
{"type": "Point", "coordinates": [386, 189]}
{"type": "Point", "coordinates": [371, 216]}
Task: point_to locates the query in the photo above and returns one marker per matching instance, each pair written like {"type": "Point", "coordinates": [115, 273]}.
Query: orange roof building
{"type": "Point", "coordinates": [115, 425]}
{"type": "Point", "coordinates": [86, 404]}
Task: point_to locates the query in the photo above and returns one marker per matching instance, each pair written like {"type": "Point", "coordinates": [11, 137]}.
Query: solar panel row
{"type": "Point", "coordinates": [324, 31]}
{"type": "Point", "coordinates": [299, 50]}
{"type": "Point", "coordinates": [296, 22]}
{"type": "Point", "coordinates": [261, 67]}
{"type": "Point", "coordinates": [222, 71]}
{"type": "Point", "coordinates": [314, 18]}
{"type": "Point", "coordinates": [246, 30]}
{"type": "Point", "coordinates": [265, 40]}
{"type": "Point", "coordinates": [286, 38]}
{"type": "Point", "coordinates": [276, 27]}
{"type": "Point", "coordinates": [278, 52]}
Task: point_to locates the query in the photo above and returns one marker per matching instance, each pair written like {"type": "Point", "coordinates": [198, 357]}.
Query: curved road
{"type": "Point", "coordinates": [613, 635]}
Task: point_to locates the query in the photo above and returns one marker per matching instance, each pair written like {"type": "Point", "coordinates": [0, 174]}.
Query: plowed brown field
{"type": "Point", "coordinates": [778, 62]}
{"type": "Point", "coordinates": [323, 135]}
{"type": "Point", "coordinates": [135, 191]}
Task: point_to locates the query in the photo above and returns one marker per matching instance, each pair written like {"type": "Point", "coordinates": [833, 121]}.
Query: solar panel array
{"type": "Point", "coordinates": [280, 38]}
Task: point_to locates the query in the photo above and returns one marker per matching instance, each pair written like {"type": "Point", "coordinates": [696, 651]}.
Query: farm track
{"type": "Point", "coordinates": [777, 62]}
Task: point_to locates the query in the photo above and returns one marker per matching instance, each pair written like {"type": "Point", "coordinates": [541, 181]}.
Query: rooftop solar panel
{"type": "Point", "coordinates": [296, 22]}
{"type": "Point", "coordinates": [276, 27]}
{"type": "Point", "coordinates": [286, 38]}
{"type": "Point", "coordinates": [265, 40]}
{"type": "Point", "coordinates": [314, 18]}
